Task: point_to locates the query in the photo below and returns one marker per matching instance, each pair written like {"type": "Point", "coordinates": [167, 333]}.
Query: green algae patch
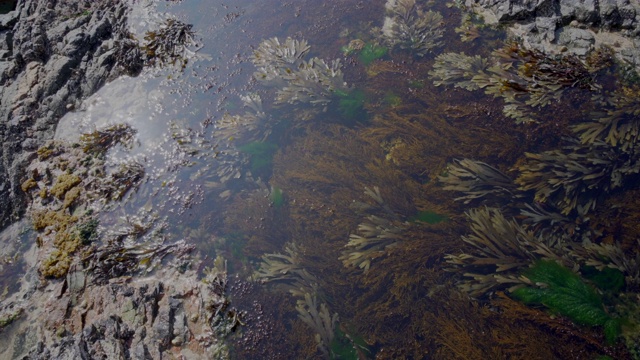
{"type": "Point", "coordinates": [276, 197]}
{"type": "Point", "coordinates": [351, 105]}
{"type": "Point", "coordinates": [428, 217]}
{"type": "Point", "coordinates": [371, 52]}
{"type": "Point", "coordinates": [261, 154]}
{"type": "Point", "coordinates": [567, 294]}
{"type": "Point", "coordinates": [63, 184]}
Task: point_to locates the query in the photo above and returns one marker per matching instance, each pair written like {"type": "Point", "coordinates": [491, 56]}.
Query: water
{"type": "Point", "coordinates": [315, 182]}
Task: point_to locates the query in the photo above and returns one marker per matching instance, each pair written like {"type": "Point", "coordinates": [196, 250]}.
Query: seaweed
{"type": "Point", "coordinates": [98, 142]}
{"type": "Point", "coordinates": [261, 154]}
{"type": "Point", "coordinates": [371, 52]}
{"type": "Point", "coordinates": [565, 293]}
{"type": "Point", "coordinates": [408, 26]}
{"type": "Point", "coordinates": [351, 105]}
{"type": "Point", "coordinates": [169, 43]}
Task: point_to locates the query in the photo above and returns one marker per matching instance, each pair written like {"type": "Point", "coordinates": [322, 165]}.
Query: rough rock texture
{"type": "Point", "coordinates": [172, 315]}
{"type": "Point", "coordinates": [576, 26]}
{"type": "Point", "coordinates": [52, 54]}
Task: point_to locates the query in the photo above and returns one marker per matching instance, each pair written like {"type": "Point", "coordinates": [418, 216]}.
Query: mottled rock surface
{"type": "Point", "coordinates": [574, 26]}
{"type": "Point", "coordinates": [53, 53]}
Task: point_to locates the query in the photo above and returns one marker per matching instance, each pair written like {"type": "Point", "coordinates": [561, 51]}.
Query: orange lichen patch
{"type": "Point", "coordinates": [28, 185]}
{"type": "Point", "coordinates": [63, 184]}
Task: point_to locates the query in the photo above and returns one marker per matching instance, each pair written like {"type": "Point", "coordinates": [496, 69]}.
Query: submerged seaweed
{"type": "Point", "coordinates": [410, 27]}
{"type": "Point", "coordinates": [564, 292]}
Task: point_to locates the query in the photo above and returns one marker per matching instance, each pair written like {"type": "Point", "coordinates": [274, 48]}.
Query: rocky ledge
{"type": "Point", "coordinates": [573, 26]}
{"type": "Point", "coordinates": [53, 53]}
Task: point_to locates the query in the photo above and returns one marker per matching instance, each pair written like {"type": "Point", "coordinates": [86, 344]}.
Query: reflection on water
{"type": "Point", "coordinates": [322, 148]}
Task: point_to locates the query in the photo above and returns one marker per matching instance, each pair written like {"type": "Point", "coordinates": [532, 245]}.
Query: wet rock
{"type": "Point", "coordinates": [52, 53]}
{"type": "Point", "coordinates": [577, 41]}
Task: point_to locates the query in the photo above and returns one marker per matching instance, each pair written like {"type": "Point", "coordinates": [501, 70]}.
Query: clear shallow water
{"type": "Point", "coordinates": [320, 176]}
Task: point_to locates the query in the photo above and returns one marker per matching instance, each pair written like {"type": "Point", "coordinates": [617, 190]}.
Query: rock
{"type": "Point", "coordinates": [63, 53]}
{"type": "Point", "coordinates": [577, 41]}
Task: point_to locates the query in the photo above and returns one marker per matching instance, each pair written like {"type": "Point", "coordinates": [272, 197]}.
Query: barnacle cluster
{"type": "Point", "coordinates": [409, 26]}
{"type": "Point", "coordinates": [524, 78]}
{"type": "Point", "coordinates": [313, 81]}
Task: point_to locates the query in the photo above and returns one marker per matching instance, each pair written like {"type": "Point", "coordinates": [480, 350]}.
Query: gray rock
{"type": "Point", "coordinates": [577, 41]}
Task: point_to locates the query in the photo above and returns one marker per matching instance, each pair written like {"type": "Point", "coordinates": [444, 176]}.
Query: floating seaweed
{"type": "Point", "coordinates": [298, 81]}
{"type": "Point", "coordinates": [287, 271]}
{"type": "Point", "coordinates": [376, 235]}
{"type": "Point", "coordinates": [524, 78]}
{"type": "Point", "coordinates": [410, 27]}
{"type": "Point", "coordinates": [99, 141]}
{"type": "Point", "coordinates": [274, 61]}
{"type": "Point", "coordinates": [116, 258]}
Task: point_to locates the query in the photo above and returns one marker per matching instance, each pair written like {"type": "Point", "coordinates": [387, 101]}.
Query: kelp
{"type": "Point", "coordinates": [409, 26]}
{"type": "Point", "coordinates": [563, 292]}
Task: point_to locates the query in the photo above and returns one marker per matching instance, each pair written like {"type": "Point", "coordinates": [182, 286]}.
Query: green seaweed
{"type": "Point", "coordinates": [392, 100]}
{"type": "Point", "coordinates": [371, 52]}
{"type": "Point", "coordinates": [608, 279]}
{"type": "Point", "coordinates": [567, 294]}
{"type": "Point", "coordinates": [428, 217]}
{"type": "Point", "coordinates": [347, 347]}
{"type": "Point", "coordinates": [351, 105]}
{"type": "Point", "coordinates": [276, 197]}
{"type": "Point", "coordinates": [261, 154]}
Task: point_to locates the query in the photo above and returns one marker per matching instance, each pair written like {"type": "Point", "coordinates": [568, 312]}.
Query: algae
{"type": "Point", "coordinates": [261, 154]}
{"type": "Point", "coordinates": [564, 292]}
{"type": "Point", "coordinates": [371, 52]}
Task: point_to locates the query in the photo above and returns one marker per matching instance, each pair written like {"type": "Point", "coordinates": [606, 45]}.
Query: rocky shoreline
{"type": "Point", "coordinates": [55, 53]}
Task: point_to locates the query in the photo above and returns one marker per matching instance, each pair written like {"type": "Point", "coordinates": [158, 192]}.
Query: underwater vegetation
{"type": "Point", "coordinates": [297, 80]}
{"type": "Point", "coordinates": [261, 155]}
{"type": "Point", "coordinates": [351, 105]}
{"type": "Point", "coordinates": [563, 292]}
{"type": "Point", "coordinates": [525, 79]}
{"type": "Point", "coordinates": [99, 141]}
{"type": "Point", "coordinates": [320, 320]}
{"type": "Point", "coordinates": [168, 45]}
{"type": "Point", "coordinates": [477, 179]}
{"type": "Point", "coordinates": [371, 52]}
{"type": "Point", "coordinates": [408, 26]}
